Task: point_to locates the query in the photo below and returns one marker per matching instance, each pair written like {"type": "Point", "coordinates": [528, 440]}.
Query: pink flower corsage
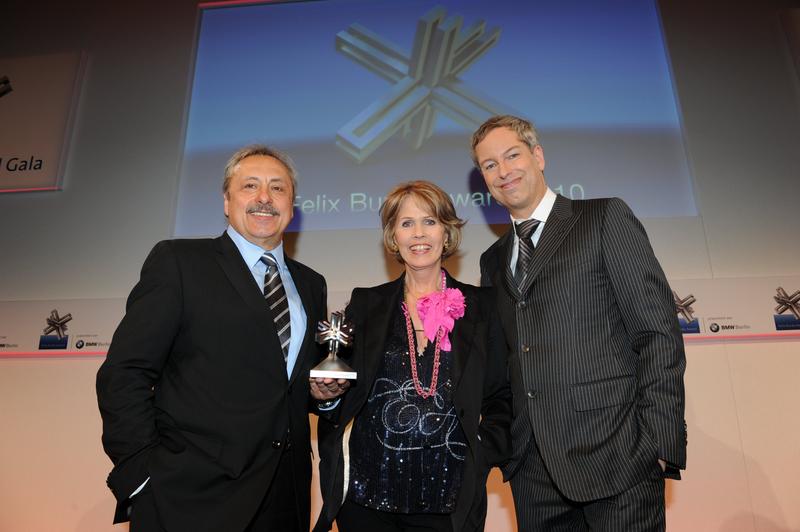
{"type": "Point", "coordinates": [441, 310]}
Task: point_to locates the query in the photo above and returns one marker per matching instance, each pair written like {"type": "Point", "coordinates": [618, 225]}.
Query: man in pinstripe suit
{"type": "Point", "coordinates": [597, 356]}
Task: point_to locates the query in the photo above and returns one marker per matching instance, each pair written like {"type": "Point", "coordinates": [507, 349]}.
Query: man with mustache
{"type": "Point", "coordinates": [204, 394]}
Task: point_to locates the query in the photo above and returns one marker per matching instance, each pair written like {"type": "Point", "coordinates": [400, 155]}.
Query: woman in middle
{"type": "Point", "coordinates": [410, 445]}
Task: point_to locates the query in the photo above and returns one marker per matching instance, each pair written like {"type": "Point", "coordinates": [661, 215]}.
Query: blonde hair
{"type": "Point", "coordinates": [432, 198]}
{"type": "Point", "coordinates": [524, 129]}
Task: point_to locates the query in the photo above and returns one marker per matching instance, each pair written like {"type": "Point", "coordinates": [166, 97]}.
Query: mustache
{"type": "Point", "coordinates": [264, 208]}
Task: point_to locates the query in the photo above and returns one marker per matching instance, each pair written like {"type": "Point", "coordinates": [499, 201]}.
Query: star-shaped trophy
{"type": "Point", "coordinates": [336, 333]}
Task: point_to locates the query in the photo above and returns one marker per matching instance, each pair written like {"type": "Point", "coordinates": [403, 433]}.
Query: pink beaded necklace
{"type": "Point", "coordinates": [413, 355]}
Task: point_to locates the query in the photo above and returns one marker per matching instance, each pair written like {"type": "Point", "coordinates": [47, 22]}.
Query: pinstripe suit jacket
{"type": "Point", "coordinates": [597, 356]}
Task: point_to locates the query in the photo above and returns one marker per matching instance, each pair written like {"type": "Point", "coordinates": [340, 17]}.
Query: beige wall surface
{"type": "Point", "coordinates": [738, 92]}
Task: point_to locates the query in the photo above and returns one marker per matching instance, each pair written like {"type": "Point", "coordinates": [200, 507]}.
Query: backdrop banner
{"type": "Point", "coordinates": [707, 309]}
{"type": "Point", "coordinates": [38, 98]}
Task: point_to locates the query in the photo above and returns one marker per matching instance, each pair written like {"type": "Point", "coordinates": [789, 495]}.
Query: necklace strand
{"type": "Point", "coordinates": [413, 355]}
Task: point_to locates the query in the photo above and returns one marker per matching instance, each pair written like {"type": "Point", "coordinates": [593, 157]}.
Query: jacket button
{"type": "Point", "coordinates": [277, 444]}
{"type": "Point", "coordinates": [526, 348]}
{"type": "Point", "coordinates": [531, 394]}
{"type": "Point", "coordinates": [521, 304]}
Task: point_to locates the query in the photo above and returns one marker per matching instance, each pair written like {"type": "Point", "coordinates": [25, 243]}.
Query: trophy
{"type": "Point", "coordinates": [335, 333]}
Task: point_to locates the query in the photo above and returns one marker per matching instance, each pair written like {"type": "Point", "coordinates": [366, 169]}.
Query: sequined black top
{"type": "Point", "coordinates": [407, 453]}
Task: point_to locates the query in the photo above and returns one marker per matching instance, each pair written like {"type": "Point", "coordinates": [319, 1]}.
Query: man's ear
{"type": "Point", "coordinates": [538, 154]}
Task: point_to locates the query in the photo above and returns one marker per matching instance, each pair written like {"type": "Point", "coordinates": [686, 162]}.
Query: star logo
{"type": "Point", "coordinates": [57, 324]}
{"type": "Point", "coordinates": [786, 302]}
{"type": "Point", "coordinates": [684, 306]}
{"type": "Point", "coordinates": [424, 84]}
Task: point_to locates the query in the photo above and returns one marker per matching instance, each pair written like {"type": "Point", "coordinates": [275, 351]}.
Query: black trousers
{"type": "Point", "coordinates": [539, 505]}
{"type": "Point", "coordinates": [144, 515]}
{"type": "Point", "coordinates": [278, 511]}
{"type": "Point", "coordinates": [353, 517]}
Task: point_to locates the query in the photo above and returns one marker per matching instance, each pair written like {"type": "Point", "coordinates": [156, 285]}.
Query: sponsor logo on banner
{"type": "Point", "coordinates": [683, 306]}
{"type": "Point", "coordinates": [55, 324]}
{"type": "Point", "coordinates": [89, 341]}
{"type": "Point", "coordinates": [5, 344]}
{"type": "Point", "coordinates": [722, 324]}
{"type": "Point", "coordinates": [787, 317]}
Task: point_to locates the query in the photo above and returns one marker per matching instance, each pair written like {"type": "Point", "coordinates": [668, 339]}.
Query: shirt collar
{"type": "Point", "coordinates": [542, 211]}
{"type": "Point", "coordinates": [251, 253]}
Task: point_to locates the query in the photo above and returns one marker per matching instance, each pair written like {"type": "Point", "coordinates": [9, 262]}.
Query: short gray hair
{"type": "Point", "coordinates": [259, 149]}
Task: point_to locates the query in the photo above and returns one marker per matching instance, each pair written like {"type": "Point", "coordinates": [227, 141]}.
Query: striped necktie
{"type": "Point", "coordinates": [524, 231]}
{"type": "Point", "coordinates": [275, 295]}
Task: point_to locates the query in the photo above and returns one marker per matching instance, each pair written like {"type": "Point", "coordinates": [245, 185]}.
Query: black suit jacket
{"type": "Point", "coordinates": [597, 358]}
{"type": "Point", "coordinates": [194, 392]}
{"type": "Point", "coordinates": [481, 395]}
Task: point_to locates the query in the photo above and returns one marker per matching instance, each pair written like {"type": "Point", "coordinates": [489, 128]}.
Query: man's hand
{"type": "Point", "coordinates": [663, 465]}
{"type": "Point", "coordinates": [325, 389]}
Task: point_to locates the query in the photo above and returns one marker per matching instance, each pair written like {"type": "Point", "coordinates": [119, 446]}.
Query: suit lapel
{"type": "Point", "coordinates": [505, 249]}
{"type": "Point", "coordinates": [502, 276]}
{"type": "Point", "coordinates": [561, 220]}
{"type": "Point", "coordinates": [381, 305]}
{"type": "Point", "coordinates": [230, 260]}
{"type": "Point", "coordinates": [462, 336]}
{"type": "Point", "coordinates": [307, 298]}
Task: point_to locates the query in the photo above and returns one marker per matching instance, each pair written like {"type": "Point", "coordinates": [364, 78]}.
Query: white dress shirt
{"type": "Point", "coordinates": [541, 213]}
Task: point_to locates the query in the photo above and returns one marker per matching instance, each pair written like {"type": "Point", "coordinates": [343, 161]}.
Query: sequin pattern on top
{"type": "Point", "coordinates": [406, 452]}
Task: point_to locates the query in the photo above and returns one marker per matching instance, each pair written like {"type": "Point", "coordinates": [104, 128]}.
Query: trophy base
{"type": "Point", "coordinates": [333, 368]}
{"type": "Point", "coordinates": [329, 374]}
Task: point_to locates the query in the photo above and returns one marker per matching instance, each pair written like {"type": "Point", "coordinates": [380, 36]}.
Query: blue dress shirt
{"type": "Point", "coordinates": [252, 254]}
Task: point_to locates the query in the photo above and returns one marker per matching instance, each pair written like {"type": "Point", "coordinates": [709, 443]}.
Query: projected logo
{"type": "Point", "coordinates": [58, 325]}
{"type": "Point", "coordinates": [5, 86]}
{"type": "Point", "coordinates": [683, 306]}
{"type": "Point", "coordinates": [426, 83]}
{"type": "Point", "coordinates": [787, 315]}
